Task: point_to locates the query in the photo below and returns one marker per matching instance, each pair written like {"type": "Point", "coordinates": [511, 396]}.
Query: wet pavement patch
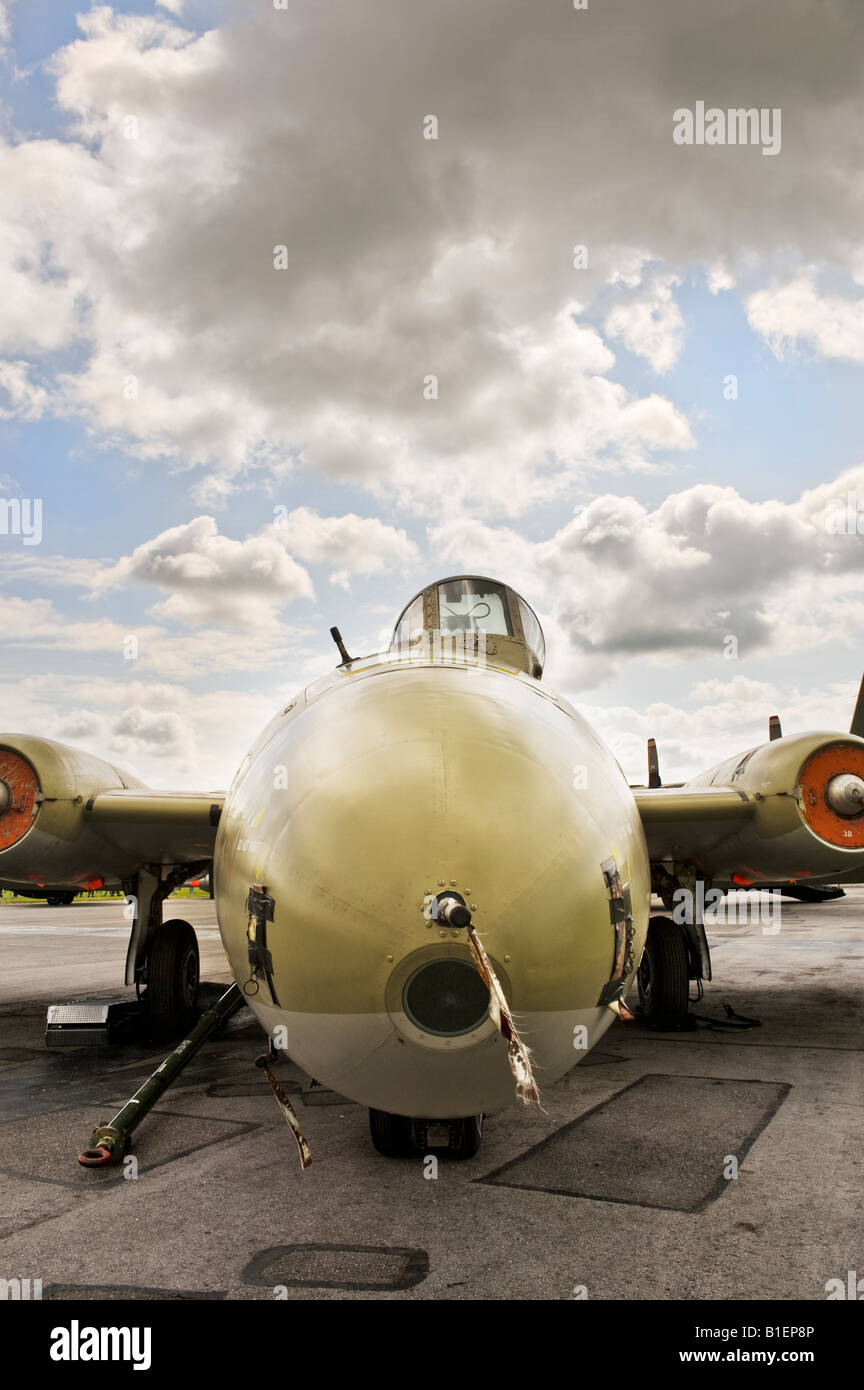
{"type": "Point", "coordinates": [44, 1150]}
{"type": "Point", "coordinates": [377, 1268]}
{"type": "Point", "coordinates": [53, 1079]}
{"type": "Point", "coordinates": [664, 1141]}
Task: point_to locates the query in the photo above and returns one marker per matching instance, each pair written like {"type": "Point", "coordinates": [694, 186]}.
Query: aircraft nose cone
{"type": "Point", "coordinates": [396, 790]}
{"type": "Point", "coordinates": [845, 794]}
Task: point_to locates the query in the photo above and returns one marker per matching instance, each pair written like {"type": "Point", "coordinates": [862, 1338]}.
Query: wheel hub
{"type": "Point", "coordinates": [645, 975]}
{"type": "Point", "coordinates": [190, 978]}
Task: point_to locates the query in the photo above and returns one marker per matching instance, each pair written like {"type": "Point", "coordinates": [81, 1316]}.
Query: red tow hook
{"type": "Point", "coordinates": [95, 1158]}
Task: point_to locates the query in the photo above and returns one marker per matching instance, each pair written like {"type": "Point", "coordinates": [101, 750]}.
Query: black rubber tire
{"type": "Point", "coordinates": [60, 899]}
{"type": "Point", "coordinates": [465, 1136]}
{"type": "Point", "coordinates": [664, 975]}
{"type": "Point", "coordinates": [172, 979]}
{"type": "Point", "coordinates": [392, 1135]}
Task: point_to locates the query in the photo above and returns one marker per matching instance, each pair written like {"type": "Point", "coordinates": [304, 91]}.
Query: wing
{"type": "Point", "coordinates": [789, 810]}
{"type": "Point", "coordinates": [688, 824]}
{"type": "Point", "coordinates": [157, 827]}
{"type": "Point", "coordinates": [69, 819]}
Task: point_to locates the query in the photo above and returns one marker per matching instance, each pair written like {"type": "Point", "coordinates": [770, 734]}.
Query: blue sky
{"type": "Point", "coordinates": [558, 393]}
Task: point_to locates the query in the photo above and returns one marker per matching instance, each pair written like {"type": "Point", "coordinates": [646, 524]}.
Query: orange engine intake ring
{"type": "Point", "coordinates": [17, 817]}
{"type": "Point", "coordinates": [846, 832]}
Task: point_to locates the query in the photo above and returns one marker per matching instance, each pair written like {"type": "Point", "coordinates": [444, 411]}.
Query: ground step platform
{"type": "Point", "coordinates": [87, 1023]}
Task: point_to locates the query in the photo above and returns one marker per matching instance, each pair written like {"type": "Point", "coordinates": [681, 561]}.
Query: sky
{"type": "Point", "coordinates": [302, 308]}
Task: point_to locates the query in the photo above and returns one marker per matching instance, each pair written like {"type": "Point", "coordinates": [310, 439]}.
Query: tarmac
{"type": "Point", "coordinates": [715, 1163]}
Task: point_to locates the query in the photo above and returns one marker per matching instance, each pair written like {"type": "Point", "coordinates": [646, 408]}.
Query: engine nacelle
{"type": "Point", "coordinates": [807, 820]}
{"type": "Point", "coordinates": [45, 839]}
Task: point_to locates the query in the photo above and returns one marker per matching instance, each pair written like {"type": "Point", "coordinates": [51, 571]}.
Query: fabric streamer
{"type": "Point", "coordinates": [288, 1114]}
{"type": "Point", "coordinates": [518, 1054]}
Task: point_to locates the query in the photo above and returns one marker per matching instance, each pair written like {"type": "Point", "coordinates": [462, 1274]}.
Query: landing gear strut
{"type": "Point", "coordinates": [398, 1136]}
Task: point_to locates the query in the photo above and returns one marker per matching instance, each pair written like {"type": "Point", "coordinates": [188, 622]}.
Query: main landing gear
{"type": "Point", "coordinates": [162, 963]}
{"type": "Point", "coordinates": [664, 975]}
{"type": "Point", "coordinates": [162, 960]}
{"type": "Point", "coordinates": [173, 972]}
{"type": "Point", "coordinates": [398, 1136]}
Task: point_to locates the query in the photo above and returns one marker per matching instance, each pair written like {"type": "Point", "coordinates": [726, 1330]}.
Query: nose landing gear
{"type": "Point", "coordinates": [399, 1136]}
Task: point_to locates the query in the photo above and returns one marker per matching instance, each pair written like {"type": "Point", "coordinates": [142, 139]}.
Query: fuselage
{"type": "Point", "coordinates": [375, 790]}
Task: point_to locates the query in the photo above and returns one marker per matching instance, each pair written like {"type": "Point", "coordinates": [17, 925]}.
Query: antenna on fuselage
{"type": "Point", "coordinates": [653, 765]}
{"type": "Point", "coordinates": [337, 638]}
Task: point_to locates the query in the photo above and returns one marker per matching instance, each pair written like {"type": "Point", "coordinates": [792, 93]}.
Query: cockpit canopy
{"type": "Point", "coordinates": [473, 617]}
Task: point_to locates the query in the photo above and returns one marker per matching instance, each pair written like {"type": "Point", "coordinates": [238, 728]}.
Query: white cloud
{"type": "Point", "coordinates": [211, 578]}
{"type": "Point", "coordinates": [347, 544]}
{"type": "Point", "coordinates": [138, 727]}
{"type": "Point", "coordinates": [796, 313]}
{"type": "Point", "coordinates": [203, 568]}
{"type": "Point", "coordinates": [619, 582]}
{"type": "Point", "coordinates": [26, 399]}
{"type": "Point", "coordinates": [720, 277]}
{"type": "Point", "coordinates": [741, 689]}
{"type": "Point", "coordinates": [37, 624]}
{"type": "Point", "coordinates": [215, 579]}
{"type": "Point", "coordinates": [652, 326]}
{"type": "Point", "coordinates": [622, 582]}
{"type": "Point", "coordinates": [414, 257]}
{"type": "Point", "coordinates": [5, 21]}
{"type": "Point", "coordinates": [36, 627]}
{"type": "Point", "coordinates": [409, 258]}
{"type": "Point", "coordinates": [715, 720]}
{"type": "Point", "coordinates": [159, 731]}
{"type": "Point", "coordinates": [35, 568]}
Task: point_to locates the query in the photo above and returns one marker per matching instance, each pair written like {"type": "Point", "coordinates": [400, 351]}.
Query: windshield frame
{"type": "Point", "coordinates": [514, 604]}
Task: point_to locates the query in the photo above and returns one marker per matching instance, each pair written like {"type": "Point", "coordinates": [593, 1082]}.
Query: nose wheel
{"type": "Point", "coordinates": [399, 1136]}
{"type": "Point", "coordinates": [392, 1135]}
{"type": "Point", "coordinates": [465, 1136]}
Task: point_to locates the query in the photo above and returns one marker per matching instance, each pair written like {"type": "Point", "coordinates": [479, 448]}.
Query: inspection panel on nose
{"type": "Point", "coordinates": [480, 617]}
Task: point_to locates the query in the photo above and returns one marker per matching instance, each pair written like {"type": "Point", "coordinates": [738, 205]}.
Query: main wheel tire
{"type": "Point", "coordinates": [465, 1136]}
{"type": "Point", "coordinates": [392, 1135]}
{"type": "Point", "coordinates": [664, 975]}
{"type": "Point", "coordinates": [172, 978]}
{"type": "Point", "coordinates": [60, 899]}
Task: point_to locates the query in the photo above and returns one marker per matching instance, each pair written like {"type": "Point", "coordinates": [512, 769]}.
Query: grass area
{"type": "Point", "coordinates": [99, 895]}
